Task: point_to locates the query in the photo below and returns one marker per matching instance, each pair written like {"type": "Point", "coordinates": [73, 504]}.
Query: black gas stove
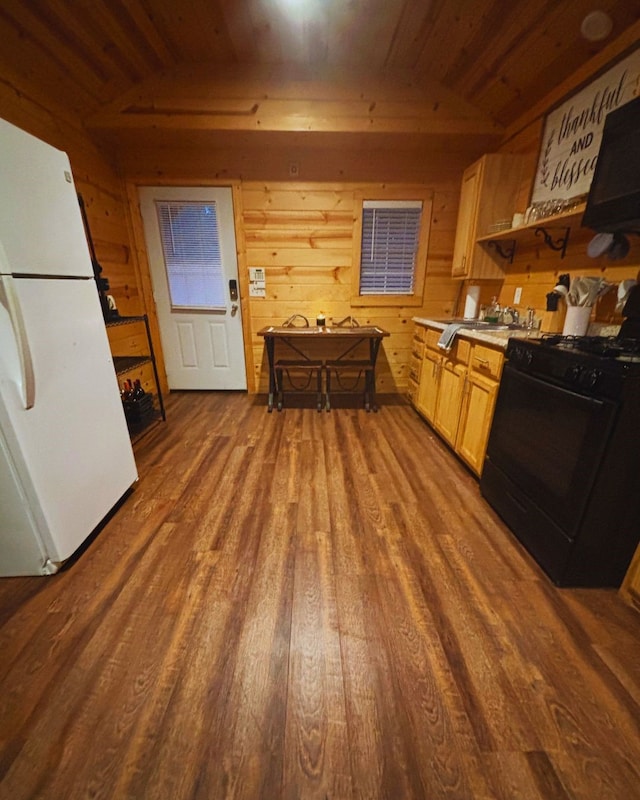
{"type": "Point", "coordinates": [597, 365]}
{"type": "Point", "coordinates": [563, 463]}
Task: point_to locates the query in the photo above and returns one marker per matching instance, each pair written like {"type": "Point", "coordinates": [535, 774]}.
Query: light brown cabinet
{"type": "Point", "coordinates": [489, 194]}
{"type": "Point", "coordinates": [452, 384]}
{"type": "Point", "coordinates": [457, 394]}
{"type": "Point", "coordinates": [429, 384]}
{"type": "Point", "coordinates": [630, 589]}
{"type": "Point", "coordinates": [442, 384]}
{"type": "Point", "coordinates": [415, 363]}
{"type": "Point", "coordinates": [475, 420]}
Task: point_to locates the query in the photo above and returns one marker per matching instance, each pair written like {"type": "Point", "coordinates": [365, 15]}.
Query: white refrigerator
{"type": "Point", "coordinates": [65, 453]}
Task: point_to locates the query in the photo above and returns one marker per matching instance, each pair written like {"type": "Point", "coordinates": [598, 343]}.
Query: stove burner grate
{"type": "Point", "coordinates": [604, 346]}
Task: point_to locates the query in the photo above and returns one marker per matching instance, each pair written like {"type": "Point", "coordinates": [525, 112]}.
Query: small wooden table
{"type": "Point", "coordinates": [294, 338]}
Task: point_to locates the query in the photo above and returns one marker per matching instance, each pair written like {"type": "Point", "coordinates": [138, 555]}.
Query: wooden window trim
{"type": "Point", "coordinates": [415, 299]}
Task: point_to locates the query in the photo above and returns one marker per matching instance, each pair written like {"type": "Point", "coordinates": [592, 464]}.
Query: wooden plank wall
{"type": "Point", "coordinates": [536, 267]}
{"type": "Point", "coordinates": [302, 234]}
{"type": "Point", "coordinates": [307, 255]}
{"type": "Point", "coordinates": [98, 179]}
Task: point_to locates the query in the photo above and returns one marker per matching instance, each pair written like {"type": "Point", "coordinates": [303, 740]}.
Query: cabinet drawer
{"type": "Point", "coordinates": [419, 332]}
{"type": "Point", "coordinates": [431, 338]}
{"type": "Point", "coordinates": [487, 361]}
{"type": "Point", "coordinates": [417, 349]}
{"type": "Point", "coordinates": [460, 351]}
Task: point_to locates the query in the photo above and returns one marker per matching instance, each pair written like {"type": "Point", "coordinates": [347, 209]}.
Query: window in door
{"type": "Point", "coordinates": [390, 249]}
{"type": "Point", "coordinates": [192, 255]}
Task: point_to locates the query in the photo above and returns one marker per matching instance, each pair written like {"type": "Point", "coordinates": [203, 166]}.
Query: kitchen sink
{"type": "Point", "coordinates": [484, 325]}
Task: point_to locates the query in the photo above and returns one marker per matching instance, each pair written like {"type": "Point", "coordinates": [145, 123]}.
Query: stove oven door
{"type": "Point", "coordinates": [549, 443]}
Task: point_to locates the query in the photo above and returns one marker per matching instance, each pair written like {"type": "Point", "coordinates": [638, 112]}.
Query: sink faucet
{"type": "Point", "coordinates": [510, 314]}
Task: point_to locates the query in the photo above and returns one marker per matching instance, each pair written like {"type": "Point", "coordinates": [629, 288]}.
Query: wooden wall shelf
{"type": "Point", "coordinates": [555, 231]}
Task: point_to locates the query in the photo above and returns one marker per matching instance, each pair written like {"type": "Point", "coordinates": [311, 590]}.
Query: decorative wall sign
{"type": "Point", "coordinates": [573, 131]}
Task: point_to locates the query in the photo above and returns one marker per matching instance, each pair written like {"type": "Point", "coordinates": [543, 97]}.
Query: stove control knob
{"type": "Point", "coordinates": [574, 374]}
{"type": "Point", "coordinates": [521, 356]}
{"type": "Point", "coordinates": [590, 378]}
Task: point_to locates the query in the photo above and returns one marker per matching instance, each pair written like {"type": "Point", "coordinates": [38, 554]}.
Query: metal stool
{"type": "Point", "coordinates": [303, 367]}
{"type": "Point", "coordinates": [343, 368]}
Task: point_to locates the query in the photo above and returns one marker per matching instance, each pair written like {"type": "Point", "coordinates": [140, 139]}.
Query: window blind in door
{"type": "Point", "coordinates": [193, 260]}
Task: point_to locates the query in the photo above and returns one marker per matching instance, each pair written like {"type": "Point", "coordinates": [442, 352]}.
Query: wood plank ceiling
{"type": "Point", "coordinates": [405, 69]}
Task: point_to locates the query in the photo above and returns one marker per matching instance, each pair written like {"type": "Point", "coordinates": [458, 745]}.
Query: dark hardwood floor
{"type": "Point", "coordinates": [305, 605]}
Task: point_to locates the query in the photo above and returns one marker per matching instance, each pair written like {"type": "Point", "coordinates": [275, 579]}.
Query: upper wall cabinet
{"type": "Point", "coordinates": [489, 194]}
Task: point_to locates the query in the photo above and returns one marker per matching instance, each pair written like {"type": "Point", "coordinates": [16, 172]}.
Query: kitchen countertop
{"type": "Point", "coordinates": [495, 338]}
{"type": "Point", "coordinates": [501, 338]}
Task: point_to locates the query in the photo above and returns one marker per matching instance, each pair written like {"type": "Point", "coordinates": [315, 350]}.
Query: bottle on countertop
{"type": "Point", "coordinates": [492, 313]}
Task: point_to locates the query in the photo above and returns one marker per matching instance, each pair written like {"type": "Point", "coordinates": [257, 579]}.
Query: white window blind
{"type": "Point", "coordinates": [192, 255]}
{"type": "Point", "coordinates": [390, 235]}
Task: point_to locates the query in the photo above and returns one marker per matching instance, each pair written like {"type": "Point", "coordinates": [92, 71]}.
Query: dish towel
{"type": "Point", "coordinates": [445, 342]}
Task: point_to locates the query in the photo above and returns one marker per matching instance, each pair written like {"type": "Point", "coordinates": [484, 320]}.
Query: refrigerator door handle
{"type": "Point", "coordinates": [28, 382]}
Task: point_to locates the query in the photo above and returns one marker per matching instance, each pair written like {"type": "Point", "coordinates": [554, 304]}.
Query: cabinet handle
{"type": "Point", "coordinates": [484, 362]}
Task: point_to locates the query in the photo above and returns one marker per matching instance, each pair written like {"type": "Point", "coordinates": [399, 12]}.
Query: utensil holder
{"type": "Point", "coordinates": [576, 322]}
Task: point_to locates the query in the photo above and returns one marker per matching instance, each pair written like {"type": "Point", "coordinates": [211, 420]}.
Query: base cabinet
{"type": "Point", "coordinates": [475, 420]}
{"type": "Point", "coordinates": [457, 394]}
{"type": "Point", "coordinates": [415, 364]}
{"type": "Point", "coordinates": [429, 385]}
{"type": "Point", "coordinates": [630, 589]}
{"type": "Point", "coordinates": [449, 404]}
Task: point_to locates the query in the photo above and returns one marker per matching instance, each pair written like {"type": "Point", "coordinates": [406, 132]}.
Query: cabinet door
{"type": "Point", "coordinates": [450, 392]}
{"type": "Point", "coordinates": [489, 193]}
{"type": "Point", "coordinates": [631, 586]}
{"type": "Point", "coordinates": [475, 420]}
{"type": "Point", "coordinates": [428, 388]}
{"type": "Point", "coordinates": [465, 230]}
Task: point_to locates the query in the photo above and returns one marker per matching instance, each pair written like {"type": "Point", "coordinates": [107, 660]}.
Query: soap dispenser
{"type": "Point", "coordinates": [492, 314]}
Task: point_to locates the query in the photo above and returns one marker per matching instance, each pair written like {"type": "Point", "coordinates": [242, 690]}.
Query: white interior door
{"type": "Point", "coordinates": [191, 246]}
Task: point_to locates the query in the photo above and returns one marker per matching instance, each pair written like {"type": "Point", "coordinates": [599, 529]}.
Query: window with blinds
{"type": "Point", "coordinates": [192, 255]}
{"type": "Point", "coordinates": [390, 238]}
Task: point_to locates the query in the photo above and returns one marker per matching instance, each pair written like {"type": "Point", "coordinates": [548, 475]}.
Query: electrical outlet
{"type": "Point", "coordinates": [517, 296]}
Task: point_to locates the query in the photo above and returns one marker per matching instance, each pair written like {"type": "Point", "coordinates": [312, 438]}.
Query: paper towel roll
{"type": "Point", "coordinates": [471, 302]}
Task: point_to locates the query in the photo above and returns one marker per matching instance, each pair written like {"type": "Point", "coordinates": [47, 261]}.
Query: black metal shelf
{"type": "Point", "coordinates": [127, 363]}
{"type": "Point", "coordinates": [124, 364]}
{"type": "Point", "coordinates": [115, 321]}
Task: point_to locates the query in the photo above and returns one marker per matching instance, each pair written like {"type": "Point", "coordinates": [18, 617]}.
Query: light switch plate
{"type": "Point", "coordinates": [517, 295]}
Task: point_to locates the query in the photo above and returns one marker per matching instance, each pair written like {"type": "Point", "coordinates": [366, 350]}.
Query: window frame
{"type": "Point", "coordinates": [416, 298]}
